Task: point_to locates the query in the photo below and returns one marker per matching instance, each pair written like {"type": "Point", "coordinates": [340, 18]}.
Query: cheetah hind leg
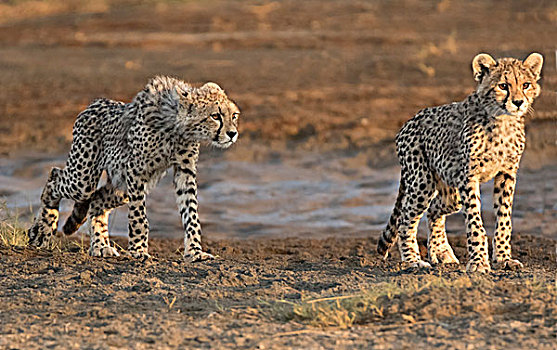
{"type": "Point", "coordinates": [445, 203]}
{"type": "Point", "coordinates": [422, 188]}
{"type": "Point", "coordinates": [103, 201]}
{"type": "Point", "coordinates": [45, 224]}
{"type": "Point", "coordinates": [100, 243]}
{"type": "Point", "coordinates": [442, 255]}
{"type": "Point", "coordinates": [438, 248]}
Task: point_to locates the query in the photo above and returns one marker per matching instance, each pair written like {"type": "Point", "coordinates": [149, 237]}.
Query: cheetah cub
{"type": "Point", "coordinates": [445, 153]}
{"type": "Point", "coordinates": [135, 144]}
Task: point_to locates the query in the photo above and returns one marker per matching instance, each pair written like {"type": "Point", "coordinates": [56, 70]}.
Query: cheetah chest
{"type": "Point", "coordinates": [501, 146]}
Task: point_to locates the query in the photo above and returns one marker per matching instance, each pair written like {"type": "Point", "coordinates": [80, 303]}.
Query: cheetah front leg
{"type": "Point", "coordinates": [478, 260]}
{"type": "Point", "coordinates": [503, 191]}
{"type": "Point", "coordinates": [186, 197]}
{"type": "Point", "coordinates": [138, 225]}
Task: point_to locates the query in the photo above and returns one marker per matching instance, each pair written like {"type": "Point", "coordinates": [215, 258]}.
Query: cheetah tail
{"type": "Point", "coordinates": [389, 235]}
{"type": "Point", "coordinates": [77, 217]}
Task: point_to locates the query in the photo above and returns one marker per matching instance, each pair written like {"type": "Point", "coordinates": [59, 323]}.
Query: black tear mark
{"type": "Point", "coordinates": [221, 124]}
{"type": "Point", "coordinates": [507, 96]}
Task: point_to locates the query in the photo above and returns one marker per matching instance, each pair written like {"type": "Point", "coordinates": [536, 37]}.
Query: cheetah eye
{"type": "Point", "coordinates": [525, 86]}
{"type": "Point", "coordinates": [235, 116]}
{"type": "Point", "coordinates": [215, 116]}
{"type": "Point", "coordinates": [503, 86]}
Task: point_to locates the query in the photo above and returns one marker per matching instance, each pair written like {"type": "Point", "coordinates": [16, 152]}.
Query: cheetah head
{"type": "Point", "coordinates": [211, 116]}
{"type": "Point", "coordinates": [511, 84]}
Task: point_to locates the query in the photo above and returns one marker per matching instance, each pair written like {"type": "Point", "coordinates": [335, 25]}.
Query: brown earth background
{"type": "Point", "coordinates": [294, 208]}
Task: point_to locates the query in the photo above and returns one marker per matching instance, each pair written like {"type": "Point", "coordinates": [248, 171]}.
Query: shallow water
{"type": "Point", "coordinates": [306, 195]}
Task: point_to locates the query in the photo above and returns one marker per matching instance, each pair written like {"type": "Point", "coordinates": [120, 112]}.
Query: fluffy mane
{"type": "Point", "coordinates": [167, 93]}
{"type": "Point", "coordinates": [161, 84]}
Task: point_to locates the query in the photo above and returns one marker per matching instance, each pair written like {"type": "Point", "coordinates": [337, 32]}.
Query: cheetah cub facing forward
{"type": "Point", "coordinates": [135, 144]}
{"type": "Point", "coordinates": [446, 152]}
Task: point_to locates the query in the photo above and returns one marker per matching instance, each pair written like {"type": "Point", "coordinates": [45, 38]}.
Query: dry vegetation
{"type": "Point", "coordinates": [384, 305]}
{"type": "Point", "coordinates": [12, 231]}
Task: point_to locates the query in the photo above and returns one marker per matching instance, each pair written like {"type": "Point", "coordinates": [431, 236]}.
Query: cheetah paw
{"type": "Point", "coordinates": [198, 256]}
{"type": "Point", "coordinates": [103, 251]}
{"type": "Point", "coordinates": [421, 264]}
{"type": "Point", "coordinates": [37, 238]}
{"type": "Point", "coordinates": [443, 256]}
{"type": "Point", "coordinates": [39, 242]}
{"type": "Point", "coordinates": [510, 264]}
{"type": "Point", "coordinates": [140, 254]}
{"type": "Point", "coordinates": [478, 266]}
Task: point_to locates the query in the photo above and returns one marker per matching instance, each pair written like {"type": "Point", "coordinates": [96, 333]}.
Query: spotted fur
{"type": "Point", "coordinates": [445, 153]}
{"type": "Point", "coordinates": [135, 144]}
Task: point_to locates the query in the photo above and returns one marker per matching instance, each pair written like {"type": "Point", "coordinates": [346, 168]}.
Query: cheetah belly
{"type": "Point", "coordinates": [154, 178]}
{"type": "Point", "coordinates": [491, 167]}
{"type": "Point", "coordinates": [115, 160]}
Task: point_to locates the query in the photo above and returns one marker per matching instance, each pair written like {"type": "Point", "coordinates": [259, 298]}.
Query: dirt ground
{"type": "Point", "coordinates": [323, 87]}
{"type": "Point", "coordinates": [70, 300]}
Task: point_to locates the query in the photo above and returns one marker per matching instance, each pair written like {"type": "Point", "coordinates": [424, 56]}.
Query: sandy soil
{"type": "Point", "coordinates": [293, 210]}
{"type": "Point", "coordinates": [69, 300]}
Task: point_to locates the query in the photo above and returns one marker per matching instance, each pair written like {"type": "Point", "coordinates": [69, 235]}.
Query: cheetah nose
{"type": "Point", "coordinates": [517, 103]}
{"type": "Point", "coordinates": [231, 134]}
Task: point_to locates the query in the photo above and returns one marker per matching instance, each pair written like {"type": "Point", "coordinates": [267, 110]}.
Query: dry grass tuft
{"type": "Point", "coordinates": [404, 301]}
{"type": "Point", "coordinates": [12, 233]}
{"type": "Point", "coordinates": [339, 311]}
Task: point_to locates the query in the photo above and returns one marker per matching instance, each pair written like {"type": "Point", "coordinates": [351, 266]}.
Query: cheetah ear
{"type": "Point", "coordinates": [211, 88]}
{"type": "Point", "coordinates": [481, 65]}
{"type": "Point", "coordinates": [535, 63]}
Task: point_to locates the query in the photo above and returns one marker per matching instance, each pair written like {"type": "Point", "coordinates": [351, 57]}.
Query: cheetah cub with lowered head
{"type": "Point", "coordinates": [135, 144]}
{"type": "Point", "coordinates": [445, 153]}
